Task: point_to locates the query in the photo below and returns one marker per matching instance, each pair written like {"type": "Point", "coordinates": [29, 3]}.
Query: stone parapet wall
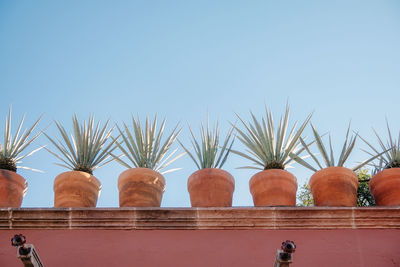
{"type": "Point", "coordinates": [268, 218]}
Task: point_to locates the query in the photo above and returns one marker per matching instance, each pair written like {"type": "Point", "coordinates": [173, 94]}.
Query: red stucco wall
{"type": "Point", "coordinates": [363, 247]}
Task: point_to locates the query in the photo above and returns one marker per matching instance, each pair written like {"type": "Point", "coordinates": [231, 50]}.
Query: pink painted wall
{"type": "Point", "coordinates": [209, 248]}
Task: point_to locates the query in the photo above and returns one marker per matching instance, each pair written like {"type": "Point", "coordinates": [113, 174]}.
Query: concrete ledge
{"type": "Point", "coordinates": [201, 218]}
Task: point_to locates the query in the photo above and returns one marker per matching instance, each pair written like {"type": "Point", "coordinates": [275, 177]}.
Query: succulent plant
{"type": "Point", "coordinates": [377, 167]}
{"type": "Point", "coordinates": [12, 148]}
{"type": "Point", "coordinates": [266, 148]}
{"type": "Point", "coordinates": [208, 153]}
{"type": "Point", "coordinates": [143, 147]}
{"type": "Point", "coordinates": [329, 159]}
{"type": "Point", "coordinates": [390, 157]}
{"type": "Point", "coordinates": [86, 150]}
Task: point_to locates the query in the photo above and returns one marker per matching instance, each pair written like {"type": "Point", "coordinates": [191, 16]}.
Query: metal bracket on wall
{"type": "Point", "coordinates": [284, 255]}
{"type": "Point", "coordinates": [26, 252]}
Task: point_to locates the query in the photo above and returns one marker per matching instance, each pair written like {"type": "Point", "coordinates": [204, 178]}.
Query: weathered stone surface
{"type": "Point", "coordinates": [39, 218]}
{"type": "Point", "coordinates": [201, 218]}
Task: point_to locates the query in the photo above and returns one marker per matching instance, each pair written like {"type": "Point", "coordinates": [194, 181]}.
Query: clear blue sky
{"type": "Point", "coordinates": [182, 59]}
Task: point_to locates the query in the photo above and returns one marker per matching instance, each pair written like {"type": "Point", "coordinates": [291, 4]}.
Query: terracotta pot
{"type": "Point", "coordinates": [12, 189]}
{"type": "Point", "coordinates": [76, 189]}
{"type": "Point", "coordinates": [140, 187]}
{"type": "Point", "coordinates": [385, 187]}
{"type": "Point", "coordinates": [211, 187]}
{"type": "Point", "coordinates": [273, 187]}
{"type": "Point", "coordinates": [334, 187]}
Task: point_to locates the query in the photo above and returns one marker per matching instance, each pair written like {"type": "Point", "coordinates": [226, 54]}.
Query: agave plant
{"type": "Point", "coordinates": [143, 147]}
{"type": "Point", "coordinates": [208, 153]}
{"type": "Point", "coordinates": [328, 158]}
{"type": "Point", "coordinates": [86, 150]}
{"type": "Point", "coordinates": [377, 167]}
{"type": "Point", "coordinates": [390, 157]}
{"type": "Point", "coordinates": [267, 149]}
{"type": "Point", "coordinates": [13, 147]}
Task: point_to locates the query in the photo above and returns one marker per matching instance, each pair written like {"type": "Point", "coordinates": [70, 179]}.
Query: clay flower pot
{"type": "Point", "coordinates": [76, 189]}
{"type": "Point", "coordinates": [334, 187]}
{"type": "Point", "coordinates": [140, 187]}
{"type": "Point", "coordinates": [385, 187]}
{"type": "Point", "coordinates": [12, 189]}
{"type": "Point", "coordinates": [273, 187]}
{"type": "Point", "coordinates": [211, 187]}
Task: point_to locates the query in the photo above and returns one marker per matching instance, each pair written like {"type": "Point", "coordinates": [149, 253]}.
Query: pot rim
{"type": "Point", "coordinates": [65, 175]}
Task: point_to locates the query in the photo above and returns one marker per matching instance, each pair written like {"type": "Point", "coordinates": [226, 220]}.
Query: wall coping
{"type": "Point", "coordinates": [236, 218]}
